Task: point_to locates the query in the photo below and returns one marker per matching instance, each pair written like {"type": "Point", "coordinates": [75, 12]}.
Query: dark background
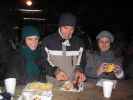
{"type": "Point", "coordinates": [93, 16]}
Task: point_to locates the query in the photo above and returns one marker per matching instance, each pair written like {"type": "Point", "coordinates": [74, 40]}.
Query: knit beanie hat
{"type": "Point", "coordinates": [29, 31]}
{"type": "Point", "coordinates": [67, 19]}
{"type": "Point", "coordinates": [105, 34]}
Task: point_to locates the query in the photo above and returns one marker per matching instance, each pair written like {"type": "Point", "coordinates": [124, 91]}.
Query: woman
{"type": "Point", "coordinates": [103, 62]}
{"type": "Point", "coordinates": [23, 64]}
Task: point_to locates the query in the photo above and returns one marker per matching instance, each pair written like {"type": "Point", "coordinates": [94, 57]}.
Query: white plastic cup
{"type": "Point", "coordinates": [47, 95]}
{"type": "Point", "coordinates": [10, 85]}
{"type": "Point", "coordinates": [107, 88]}
{"type": "Point", "coordinates": [27, 95]}
{"type": "Point", "coordinates": [46, 98]}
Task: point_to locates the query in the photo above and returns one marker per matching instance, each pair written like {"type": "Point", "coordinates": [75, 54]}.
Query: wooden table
{"type": "Point", "coordinates": [123, 91]}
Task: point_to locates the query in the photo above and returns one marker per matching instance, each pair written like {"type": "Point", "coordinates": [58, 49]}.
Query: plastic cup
{"type": "Point", "coordinates": [107, 88]}
{"type": "Point", "coordinates": [27, 95]}
{"type": "Point", "coordinates": [47, 95]}
{"type": "Point", "coordinates": [10, 85]}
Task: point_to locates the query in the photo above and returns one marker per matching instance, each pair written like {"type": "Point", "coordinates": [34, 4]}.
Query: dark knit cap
{"type": "Point", "coordinates": [107, 34]}
{"type": "Point", "coordinates": [29, 31]}
{"type": "Point", "coordinates": [67, 19]}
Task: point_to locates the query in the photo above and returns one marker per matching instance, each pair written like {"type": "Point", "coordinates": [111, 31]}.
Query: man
{"type": "Point", "coordinates": [63, 53]}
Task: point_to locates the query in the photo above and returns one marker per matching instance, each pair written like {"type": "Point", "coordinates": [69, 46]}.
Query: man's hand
{"type": "Point", "coordinates": [61, 76]}
{"type": "Point", "coordinates": [79, 77]}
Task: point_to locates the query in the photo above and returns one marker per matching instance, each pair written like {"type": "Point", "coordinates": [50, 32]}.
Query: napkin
{"type": "Point", "coordinates": [100, 82]}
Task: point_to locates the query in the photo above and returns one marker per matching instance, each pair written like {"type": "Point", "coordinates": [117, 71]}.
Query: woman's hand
{"type": "Point", "coordinates": [101, 69]}
{"type": "Point", "coordinates": [117, 69]}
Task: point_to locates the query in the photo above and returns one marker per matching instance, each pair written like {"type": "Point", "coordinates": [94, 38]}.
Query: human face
{"type": "Point", "coordinates": [67, 31]}
{"type": "Point", "coordinates": [32, 42]}
{"type": "Point", "coordinates": [104, 44]}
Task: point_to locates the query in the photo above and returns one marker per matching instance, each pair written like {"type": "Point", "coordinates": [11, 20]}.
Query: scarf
{"type": "Point", "coordinates": [31, 57]}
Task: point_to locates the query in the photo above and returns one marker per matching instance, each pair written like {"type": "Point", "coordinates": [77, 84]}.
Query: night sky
{"type": "Point", "coordinates": [93, 15]}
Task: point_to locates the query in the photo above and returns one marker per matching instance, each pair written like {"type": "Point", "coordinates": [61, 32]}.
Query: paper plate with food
{"type": "Point", "coordinates": [38, 86]}
{"type": "Point", "coordinates": [37, 91]}
{"type": "Point", "coordinates": [69, 86]}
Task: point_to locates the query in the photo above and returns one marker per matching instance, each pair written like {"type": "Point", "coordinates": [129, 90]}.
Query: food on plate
{"type": "Point", "coordinates": [37, 97]}
{"type": "Point", "coordinates": [109, 68]}
{"type": "Point", "coordinates": [39, 86]}
{"type": "Point", "coordinates": [68, 85]}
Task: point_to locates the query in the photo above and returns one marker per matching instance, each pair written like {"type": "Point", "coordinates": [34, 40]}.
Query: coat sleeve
{"type": "Point", "coordinates": [13, 64]}
{"type": "Point", "coordinates": [120, 74]}
{"type": "Point", "coordinates": [50, 70]}
{"type": "Point", "coordinates": [15, 68]}
{"type": "Point", "coordinates": [90, 68]}
{"type": "Point", "coordinates": [4, 54]}
{"type": "Point", "coordinates": [82, 64]}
